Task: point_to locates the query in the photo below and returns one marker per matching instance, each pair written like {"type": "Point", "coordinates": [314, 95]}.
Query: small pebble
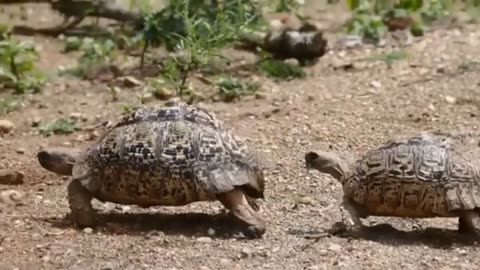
{"type": "Point", "coordinates": [306, 200]}
{"type": "Point", "coordinates": [10, 196]}
{"type": "Point", "coordinates": [88, 230]}
{"type": "Point", "coordinates": [334, 247]}
{"type": "Point", "coordinates": [224, 261]}
{"type": "Point", "coordinates": [375, 84]}
{"type": "Point", "coordinates": [204, 239]}
{"type": "Point", "coordinates": [450, 99]}
{"type": "Point", "coordinates": [6, 126]}
{"type": "Point", "coordinates": [246, 252]}
{"type": "Point", "coordinates": [130, 81]}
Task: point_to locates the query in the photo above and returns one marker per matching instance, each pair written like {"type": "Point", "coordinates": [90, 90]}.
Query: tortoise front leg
{"type": "Point", "coordinates": [355, 224]}
{"type": "Point", "coordinates": [236, 201]}
{"type": "Point", "coordinates": [80, 201]}
{"type": "Point", "coordinates": [466, 222]}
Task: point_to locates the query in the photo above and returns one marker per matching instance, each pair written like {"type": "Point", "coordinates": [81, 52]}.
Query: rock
{"type": "Point", "coordinates": [246, 252]}
{"type": "Point", "coordinates": [163, 93]}
{"type": "Point", "coordinates": [10, 196]}
{"type": "Point", "coordinates": [349, 42]}
{"type": "Point", "coordinates": [204, 239]}
{"type": "Point", "coordinates": [211, 231]}
{"type": "Point", "coordinates": [334, 247]}
{"type": "Point", "coordinates": [108, 266]}
{"type": "Point", "coordinates": [130, 81]}
{"type": "Point", "coordinates": [10, 177]}
{"type": "Point", "coordinates": [88, 230]}
{"type": "Point", "coordinates": [450, 99]}
{"type": "Point", "coordinates": [36, 122]}
{"type": "Point", "coordinates": [21, 150]}
{"type": "Point", "coordinates": [225, 262]}
{"type": "Point", "coordinates": [75, 116]}
{"type": "Point", "coordinates": [6, 126]}
{"type": "Point", "coordinates": [375, 84]}
{"type": "Point", "coordinates": [306, 200]}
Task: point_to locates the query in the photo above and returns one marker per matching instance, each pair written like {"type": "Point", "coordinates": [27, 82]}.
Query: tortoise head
{"type": "Point", "coordinates": [59, 160]}
{"type": "Point", "coordinates": [327, 162]}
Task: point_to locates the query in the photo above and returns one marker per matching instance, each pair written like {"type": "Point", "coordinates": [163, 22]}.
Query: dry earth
{"type": "Point", "coordinates": [347, 110]}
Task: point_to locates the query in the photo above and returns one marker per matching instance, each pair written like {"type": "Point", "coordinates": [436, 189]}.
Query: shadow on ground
{"type": "Point", "coordinates": [186, 224]}
{"type": "Point", "coordinates": [386, 234]}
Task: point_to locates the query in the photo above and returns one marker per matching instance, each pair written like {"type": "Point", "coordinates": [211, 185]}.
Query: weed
{"type": "Point", "coordinates": [126, 108]}
{"type": "Point", "coordinates": [436, 9]}
{"type": "Point", "coordinates": [280, 70]}
{"type": "Point", "coordinates": [161, 88]}
{"type": "Point", "coordinates": [288, 5]}
{"type": "Point", "coordinates": [469, 66]}
{"type": "Point", "coordinates": [59, 126]}
{"type": "Point", "coordinates": [9, 104]}
{"type": "Point", "coordinates": [196, 31]}
{"type": "Point", "coordinates": [114, 91]}
{"type": "Point", "coordinates": [230, 88]}
{"type": "Point", "coordinates": [371, 18]}
{"type": "Point", "coordinates": [17, 65]}
{"type": "Point", "coordinates": [94, 53]}
{"type": "Point", "coordinates": [388, 57]}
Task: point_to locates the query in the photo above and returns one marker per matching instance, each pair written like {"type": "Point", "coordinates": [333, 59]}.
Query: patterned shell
{"type": "Point", "coordinates": [172, 155]}
{"type": "Point", "coordinates": [422, 176]}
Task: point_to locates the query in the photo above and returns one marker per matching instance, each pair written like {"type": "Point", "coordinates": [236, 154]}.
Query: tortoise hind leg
{"type": "Point", "coordinates": [79, 199]}
{"type": "Point", "coordinates": [466, 222]}
{"type": "Point", "coordinates": [252, 202]}
{"type": "Point", "coordinates": [236, 201]}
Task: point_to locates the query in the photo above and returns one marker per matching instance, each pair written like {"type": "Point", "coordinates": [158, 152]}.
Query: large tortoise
{"type": "Point", "coordinates": [163, 156]}
{"type": "Point", "coordinates": [422, 176]}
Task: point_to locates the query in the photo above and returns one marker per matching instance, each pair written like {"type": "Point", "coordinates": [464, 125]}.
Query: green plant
{"type": "Point", "coordinates": [469, 66]}
{"type": "Point", "coordinates": [436, 9]}
{"type": "Point", "coordinates": [371, 18]}
{"type": "Point", "coordinates": [17, 65]}
{"type": "Point", "coordinates": [94, 53]}
{"type": "Point", "coordinates": [202, 21]}
{"type": "Point", "coordinates": [126, 108]}
{"type": "Point", "coordinates": [388, 57]}
{"type": "Point", "coordinates": [288, 5]}
{"type": "Point", "coordinates": [473, 10]}
{"type": "Point", "coordinates": [230, 88]}
{"type": "Point", "coordinates": [114, 91]}
{"type": "Point", "coordinates": [9, 104]}
{"type": "Point", "coordinates": [370, 27]}
{"type": "Point", "coordinates": [59, 126]}
{"type": "Point", "coordinates": [197, 39]}
{"type": "Point", "coordinates": [279, 69]}
{"type": "Point", "coordinates": [162, 88]}
{"type": "Point", "coordinates": [143, 5]}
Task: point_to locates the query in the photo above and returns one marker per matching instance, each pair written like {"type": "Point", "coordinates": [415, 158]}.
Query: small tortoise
{"type": "Point", "coordinates": [418, 177]}
{"type": "Point", "coordinates": [167, 156]}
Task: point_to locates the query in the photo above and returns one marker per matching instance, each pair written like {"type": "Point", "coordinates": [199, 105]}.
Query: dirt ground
{"type": "Point", "coordinates": [349, 111]}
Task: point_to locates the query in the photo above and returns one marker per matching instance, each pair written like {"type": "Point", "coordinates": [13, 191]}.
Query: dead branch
{"type": "Point", "coordinates": [81, 8]}
{"type": "Point", "coordinates": [13, 2]}
{"type": "Point", "coordinates": [55, 31]}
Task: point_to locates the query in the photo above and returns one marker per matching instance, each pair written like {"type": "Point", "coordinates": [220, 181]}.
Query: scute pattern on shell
{"type": "Point", "coordinates": [422, 176]}
{"type": "Point", "coordinates": [171, 155]}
